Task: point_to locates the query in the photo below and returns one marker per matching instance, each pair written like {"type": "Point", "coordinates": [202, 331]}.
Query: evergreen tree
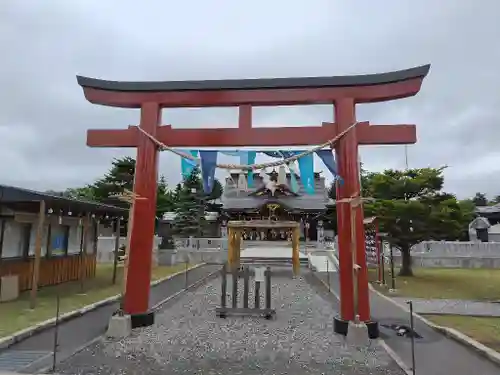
{"type": "Point", "coordinates": [83, 193]}
{"type": "Point", "coordinates": [190, 207]}
{"type": "Point", "coordinates": [164, 199]}
{"type": "Point", "coordinates": [121, 177]}
{"type": "Point", "coordinates": [177, 192]}
{"type": "Point", "coordinates": [480, 199]}
{"type": "Point", "coordinates": [411, 207]}
{"type": "Point", "coordinates": [217, 191]}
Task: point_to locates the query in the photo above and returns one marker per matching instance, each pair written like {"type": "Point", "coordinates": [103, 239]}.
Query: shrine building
{"type": "Point", "coordinates": [259, 202]}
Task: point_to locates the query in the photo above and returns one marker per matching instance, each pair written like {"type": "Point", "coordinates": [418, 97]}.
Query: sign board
{"type": "Point", "coordinates": [371, 246]}
{"type": "Point", "coordinates": [260, 274]}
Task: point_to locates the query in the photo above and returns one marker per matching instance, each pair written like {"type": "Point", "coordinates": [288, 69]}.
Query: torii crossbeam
{"type": "Point", "coordinates": [343, 92]}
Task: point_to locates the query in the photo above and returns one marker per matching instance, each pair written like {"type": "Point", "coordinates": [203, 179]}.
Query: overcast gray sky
{"type": "Point", "coordinates": [44, 44]}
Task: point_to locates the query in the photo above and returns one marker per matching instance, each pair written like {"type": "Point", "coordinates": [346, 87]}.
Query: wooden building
{"type": "Point", "coordinates": [51, 236]}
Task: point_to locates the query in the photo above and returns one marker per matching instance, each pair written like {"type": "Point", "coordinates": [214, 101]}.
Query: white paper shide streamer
{"type": "Point", "coordinates": [242, 182]}
{"type": "Point", "coordinates": [282, 175]}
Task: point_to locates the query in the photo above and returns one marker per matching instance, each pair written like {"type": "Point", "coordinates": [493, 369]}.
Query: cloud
{"type": "Point", "coordinates": [44, 115]}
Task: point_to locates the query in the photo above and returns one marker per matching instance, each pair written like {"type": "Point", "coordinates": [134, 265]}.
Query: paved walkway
{"type": "Point", "coordinates": [435, 353]}
{"type": "Point", "coordinates": [452, 307]}
{"type": "Point", "coordinates": [76, 332]}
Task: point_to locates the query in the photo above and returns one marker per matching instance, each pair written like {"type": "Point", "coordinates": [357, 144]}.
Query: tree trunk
{"type": "Point", "coordinates": [406, 269]}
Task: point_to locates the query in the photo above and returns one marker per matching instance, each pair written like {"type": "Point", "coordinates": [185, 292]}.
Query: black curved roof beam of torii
{"type": "Point", "coordinates": [264, 91]}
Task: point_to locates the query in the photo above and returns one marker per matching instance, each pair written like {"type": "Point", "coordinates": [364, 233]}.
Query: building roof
{"type": "Point", "coordinates": [495, 209]}
{"type": "Point", "coordinates": [29, 201]}
{"type": "Point", "coordinates": [234, 200]}
{"type": "Point", "coordinates": [293, 203]}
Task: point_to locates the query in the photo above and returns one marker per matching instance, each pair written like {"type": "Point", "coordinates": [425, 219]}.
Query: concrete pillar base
{"type": "Point", "coordinates": [358, 334]}
{"type": "Point", "coordinates": [119, 326]}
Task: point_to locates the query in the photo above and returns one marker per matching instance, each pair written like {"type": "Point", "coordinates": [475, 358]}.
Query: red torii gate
{"type": "Point", "coordinates": [344, 92]}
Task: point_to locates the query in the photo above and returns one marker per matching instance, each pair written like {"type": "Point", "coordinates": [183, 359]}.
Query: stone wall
{"type": "Point", "coordinates": [422, 260]}
{"type": "Point", "coordinates": [194, 250]}
{"type": "Point", "coordinates": [453, 248]}
{"type": "Point", "coordinates": [106, 247]}
{"type": "Point", "coordinates": [171, 257]}
{"type": "Point", "coordinates": [453, 254]}
{"type": "Point", "coordinates": [214, 243]}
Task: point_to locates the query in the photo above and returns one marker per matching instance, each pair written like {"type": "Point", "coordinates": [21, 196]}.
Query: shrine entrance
{"type": "Point", "coordinates": [343, 135]}
{"type": "Point", "coordinates": [236, 228]}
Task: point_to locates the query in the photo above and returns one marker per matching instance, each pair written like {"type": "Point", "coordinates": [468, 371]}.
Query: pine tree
{"type": "Point", "coordinates": [120, 177]}
{"type": "Point", "coordinates": [190, 207]}
{"type": "Point", "coordinates": [164, 198]}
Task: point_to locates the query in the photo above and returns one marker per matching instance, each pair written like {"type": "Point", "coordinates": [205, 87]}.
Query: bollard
{"type": "Point", "coordinates": [56, 333]}
{"type": "Point", "coordinates": [234, 276]}
{"type": "Point", "coordinates": [257, 295]}
{"type": "Point", "coordinates": [223, 290]}
{"type": "Point", "coordinates": [412, 326]}
{"type": "Point", "coordinates": [393, 276]}
{"type": "Point", "coordinates": [268, 289]}
{"type": "Point", "coordinates": [246, 279]}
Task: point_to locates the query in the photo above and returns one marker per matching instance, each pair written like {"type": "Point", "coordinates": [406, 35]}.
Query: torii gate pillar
{"type": "Point", "coordinates": [343, 92]}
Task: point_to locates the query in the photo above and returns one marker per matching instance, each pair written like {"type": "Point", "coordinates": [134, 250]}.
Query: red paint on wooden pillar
{"type": "Point", "coordinates": [348, 164]}
{"type": "Point", "coordinates": [345, 148]}
{"type": "Point", "coordinates": [245, 117]}
{"type": "Point", "coordinates": [142, 236]}
{"type": "Point", "coordinates": [348, 159]}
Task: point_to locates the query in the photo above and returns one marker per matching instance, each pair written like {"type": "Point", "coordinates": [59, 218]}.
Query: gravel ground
{"type": "Point", "coordinates": [188, 339]}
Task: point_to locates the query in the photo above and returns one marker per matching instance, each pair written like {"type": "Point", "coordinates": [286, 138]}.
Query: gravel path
{"type": "Point", "coordinates": [188, 339]}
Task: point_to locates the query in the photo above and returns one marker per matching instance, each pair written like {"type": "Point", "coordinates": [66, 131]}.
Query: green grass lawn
{"type": "Point", "coordinates": [484, 330]}
{"type": "Point", "coordinates": [16, 315]}
{"type": "Point", "coordinates": [471, 284]}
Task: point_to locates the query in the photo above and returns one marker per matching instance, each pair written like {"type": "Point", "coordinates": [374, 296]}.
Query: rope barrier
{"type": "Point", "coordinates": [250, 167]}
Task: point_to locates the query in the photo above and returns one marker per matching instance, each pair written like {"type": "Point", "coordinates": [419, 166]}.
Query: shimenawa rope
{"type": "Point", "coordinates": [249, 167]}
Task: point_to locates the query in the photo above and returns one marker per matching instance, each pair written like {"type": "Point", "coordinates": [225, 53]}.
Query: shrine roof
{"type": "Point", "coordinates": [495, 209]}
{"type": "Point", "coordinates": [257, 84]}
{"type": "Point", "coordinates": [234, 199]}
{"type": "Point", "coordinates": [29, 201]}
{"type": "Point", "coordinates": [304, 203]}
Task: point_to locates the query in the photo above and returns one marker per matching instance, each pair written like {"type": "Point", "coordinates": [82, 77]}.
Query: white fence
{"type": "Point", "coordinates": [456, 248]}
{"type": "Point", "coordinates": [106, 248]}
{"type": "Point", "coordinates": [449, 254]}
{"type": "Point", "coordinates": [196, 250]}
{"type": "Point", "coordinates": [194, 244]}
